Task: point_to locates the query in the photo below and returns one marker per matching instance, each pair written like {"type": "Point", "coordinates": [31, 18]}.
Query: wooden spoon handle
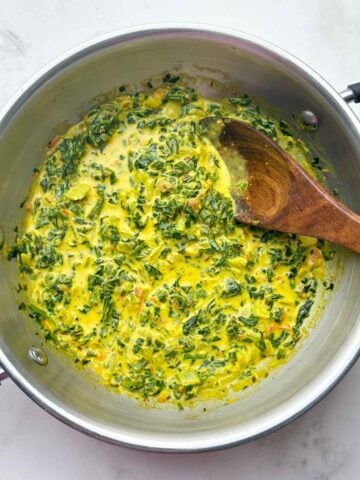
{"type": "Point", "coordinates": [317, 214]}
{"type": "Point", "coordinates": [349, 231]}
{"type": "Point", "coordinates": [334, 222]}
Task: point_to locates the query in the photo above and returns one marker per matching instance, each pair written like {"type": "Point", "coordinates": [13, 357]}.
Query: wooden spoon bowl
{"type": "Point", "coordinates": [272, 191]}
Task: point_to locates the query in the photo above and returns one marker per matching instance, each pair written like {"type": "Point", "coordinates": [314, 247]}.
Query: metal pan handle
{"type": "Point", "coordinates": [352, 93]}
{"type": "Point", "coordinates": [3, 374]}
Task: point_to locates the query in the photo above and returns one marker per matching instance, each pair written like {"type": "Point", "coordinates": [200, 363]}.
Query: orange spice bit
{"type": "Point", "coordinates": [28, 206]}
{"type": "Point", "coordinates": [271, 328]}
{"type": "Point", "coordinates": [159, 92]}
{"type": "Point", "coordinates": [139, 292]}
{"type": "Point", "coordinates": [194, 203]}
{"type": "Point", "coordinates": [163, 397]}
{"type": "Point", "coordinates": [140, 297]}
{"type": "Point", "coordinates": [164, 186]}
{"type": "Point", "coordinates": [155, 99]}
{"type": "Point", "coordinates": [315, 257]}
{"type": "Point", "coordinates": [126, 105]}
{"type": "Point", "coordinates": [54, 141]}
{"type": "Point", "coordinates": [274, 326]}
{"type": "Point", "coordinates": [65, 212]}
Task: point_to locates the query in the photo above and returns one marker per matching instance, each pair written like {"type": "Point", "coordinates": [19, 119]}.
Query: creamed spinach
{"type": "Point", "coordinates": [132, 263]}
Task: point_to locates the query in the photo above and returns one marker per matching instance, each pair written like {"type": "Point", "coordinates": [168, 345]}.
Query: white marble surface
{"type": "Point", "coordinates": [324, 443]}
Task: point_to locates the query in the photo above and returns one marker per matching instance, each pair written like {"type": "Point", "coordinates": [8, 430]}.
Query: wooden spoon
{"type": "Point", "coordinates": [272, 191]}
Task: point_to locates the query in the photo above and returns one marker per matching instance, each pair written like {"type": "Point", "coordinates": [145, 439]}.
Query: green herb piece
{"type": "Point", "coordinates": [232, 288]}
{"type": "Point", "coordinates": [152, 271]}
{"type": "Point", "coordinates": [168, 78]}
{"type": "Point", "coordinates": [250, 321]}
{"type": "Point", "coordinates": [304, 312]}
{"type": "Point", "coordinates": [101, 124]}
{"type": "Point", "coordinates": [71, 149]}
{"type": "Point", "coordinates": [243, 101]}
{"type": "Point", "coordinates": [182, 95]}
{"type": "Point", "coordinates": [190, 324]}
{"type": "Point", "coordinates": [315, 162]}
{"type": "Point", "coordinates": [96, 210]}
{"type": "Point", "coordinates": [38, 311]}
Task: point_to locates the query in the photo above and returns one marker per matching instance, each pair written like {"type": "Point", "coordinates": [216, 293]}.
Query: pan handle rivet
{"type": "Point", "coordinates": [38, 355]}
{"type": "Point", "coordinates": [309, 120]}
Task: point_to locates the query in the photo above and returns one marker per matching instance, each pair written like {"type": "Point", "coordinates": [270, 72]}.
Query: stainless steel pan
{"type": "Point", "coordinates": [233, 61]}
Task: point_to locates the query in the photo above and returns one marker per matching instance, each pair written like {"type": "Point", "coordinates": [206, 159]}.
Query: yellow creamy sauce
{"type": "Point", "coordinates": [132, 263]}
